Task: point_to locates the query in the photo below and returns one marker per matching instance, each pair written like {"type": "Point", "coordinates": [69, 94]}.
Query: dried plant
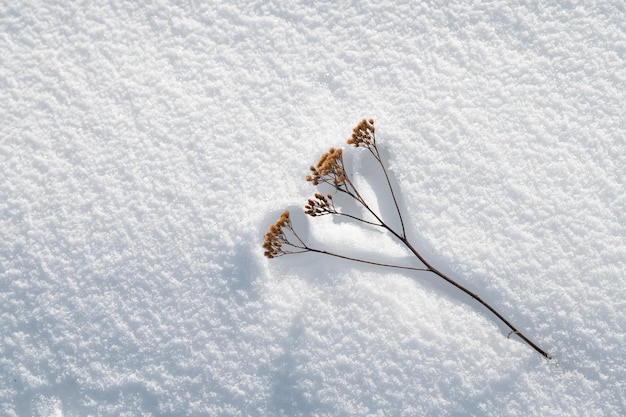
{"type": "Point", "coordinates": [282, 239]}
{"type": "Point", "coordinates": [277, 243]}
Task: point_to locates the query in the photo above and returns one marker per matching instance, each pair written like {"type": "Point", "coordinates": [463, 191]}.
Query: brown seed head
{"type": "Point", "coordinates": [328, 169]}
{"type": "Point", "coordinates": [320, 205]}
{"type": "Point", "coordinates": [275, 237]}
{"type": "Point", "coordinates": [363, 134]}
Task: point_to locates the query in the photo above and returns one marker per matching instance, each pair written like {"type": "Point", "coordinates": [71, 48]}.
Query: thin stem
{"type": "Point", "coordinates": [357, 219]}
{"type": "Point", "coordinates": [323, 252]}
{"type": "Point", "coordinates": [393, 195]}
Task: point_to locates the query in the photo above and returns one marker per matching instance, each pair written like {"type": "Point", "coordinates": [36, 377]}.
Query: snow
{"type": "Point", "coordinates": [145, 148]}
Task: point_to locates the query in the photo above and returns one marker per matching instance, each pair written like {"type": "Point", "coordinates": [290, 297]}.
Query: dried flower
{"type": "Point", "coordinates": [276, 243]}
{"type": "Point", "coordinates": [329, 169]}
{"type": "Point", "coordinates": [320, 205]}
{"type": "Point", "coordinates": [363, 134]}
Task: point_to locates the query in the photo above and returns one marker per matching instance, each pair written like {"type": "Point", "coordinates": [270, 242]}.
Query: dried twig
{"type": "Point", "coordinates": [282, 238]}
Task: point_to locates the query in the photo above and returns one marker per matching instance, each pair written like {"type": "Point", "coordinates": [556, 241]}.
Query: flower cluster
{"type": "Point", "coordinates": [363, 134]}
{"type": "Point", "coordinates": [329, 169]}
{"type": "Point", "coordinates": [320, 205]}
{"type": "Point", "coordinates": [275, 237]}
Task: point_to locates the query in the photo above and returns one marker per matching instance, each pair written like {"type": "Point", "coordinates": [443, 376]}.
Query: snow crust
{"type": "Point", "coordinates": [145, 147]}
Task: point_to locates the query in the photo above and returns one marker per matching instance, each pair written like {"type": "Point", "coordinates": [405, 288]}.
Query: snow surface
{"type": "Point", "coordinates": [145, 147]}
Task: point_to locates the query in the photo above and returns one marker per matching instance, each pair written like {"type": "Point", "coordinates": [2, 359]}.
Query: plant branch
{"type": "Point", "coordinates": [330, 170]}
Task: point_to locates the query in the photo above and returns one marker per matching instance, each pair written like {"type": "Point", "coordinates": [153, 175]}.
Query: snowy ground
{"type": "Point", "coordinates": [145, 147]}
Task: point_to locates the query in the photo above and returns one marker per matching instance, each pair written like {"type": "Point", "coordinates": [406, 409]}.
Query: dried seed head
{"type": "Point", "coordinates": [275, 237]}
{"type": "Point", "coordinates": [363, 134]}
{"type": "Point", "coordinates": [328, 168]}
{"type": "Point", "coordinates": [320, 205]}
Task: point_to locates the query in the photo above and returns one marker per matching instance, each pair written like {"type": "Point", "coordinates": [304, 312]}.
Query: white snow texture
{"type": "Point", "coordinates": [146, 147]}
